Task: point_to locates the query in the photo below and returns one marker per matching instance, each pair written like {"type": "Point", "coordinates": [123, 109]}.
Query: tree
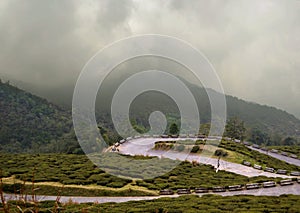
{"type": "Point", "coordinates": [289, 141]}
{"type": "Point", "coordinates": [174, 129]}
{"type": "Point", "coordinates": [204, 129]}
{"type": "Point", "coordinates": [235, 128]}
{"type": "Point", "coordinates": [259, 137]}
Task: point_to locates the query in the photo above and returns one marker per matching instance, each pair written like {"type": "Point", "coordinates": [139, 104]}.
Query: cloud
{"type": "Point", "coordinates": [48, 42]}
{"type": "Point", "coordinates": [254, 45]}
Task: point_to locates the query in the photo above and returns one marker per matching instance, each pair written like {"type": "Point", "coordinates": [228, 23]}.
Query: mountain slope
{"type": "Point", "coordinates": [274, 122]}
{"type": "Point", "coordinates": [267, 119]}
{"type": "Point", "coordinates": [28, 122]}
{"type": "Point", "coordinates": [31, 124]}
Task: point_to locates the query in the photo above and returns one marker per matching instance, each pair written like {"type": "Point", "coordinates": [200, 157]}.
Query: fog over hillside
{"type": "Point", "coordinates": [253, 45]}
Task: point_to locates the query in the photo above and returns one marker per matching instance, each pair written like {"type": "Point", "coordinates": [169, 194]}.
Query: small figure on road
{"type": "Point", "coordinates": [218, 164]}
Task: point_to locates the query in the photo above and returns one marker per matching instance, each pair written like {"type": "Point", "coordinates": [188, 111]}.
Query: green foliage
{"type": "Point", "coordinates": [220, 153]}
{"type": "Point", "coordinates": [163, 146]}
{"type": "Point", "coordinates": [204, 129]}
{"type": "Point", "coordinates": [32, 124]}
{"type": "Point", "coordinates": [195, 149]}
{"type": "Point", "coordinates": [235, 128]}
{"type": "Point", "coordinates": [187, 175]}
{"type": "Point", "coordinates": [289, 141]}
{"type": "Point", "coordinates": [53, 190]}
{"type": "Point", "coordinates": [65, 169]}
{"type": "Point", "coordinates": [174, 129]}
{"type": "Point", "coordinates": [78, 170]}
{"type": "Point", "coordinates": [28, 122]}
{"type": "Point", "coordinates": [259, 137]}
{"type": "Point", "coordinates": [274, 122]}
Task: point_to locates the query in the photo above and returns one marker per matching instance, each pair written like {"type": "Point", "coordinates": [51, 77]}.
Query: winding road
{"type": "Point", "coordinates": [144, 146]}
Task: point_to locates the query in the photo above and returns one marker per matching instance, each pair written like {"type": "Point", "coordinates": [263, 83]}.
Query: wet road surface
{"type": "Point", "coordinates": [143, 146]}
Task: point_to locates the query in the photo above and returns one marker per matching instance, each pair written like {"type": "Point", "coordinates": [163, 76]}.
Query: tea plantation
{"type": "Point", "coordinates": [76, 175]}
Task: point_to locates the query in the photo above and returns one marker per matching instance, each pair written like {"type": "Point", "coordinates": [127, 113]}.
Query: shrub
{"type": "Point", "coordinates": [220, 153]}
{"type": "Point", "coordinates": [195, 149]}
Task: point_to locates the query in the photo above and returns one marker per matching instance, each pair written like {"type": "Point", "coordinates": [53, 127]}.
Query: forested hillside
{"type": "Point", "coordinates": [28, 122]}
{"type": "Point", "coordinates": [276, 123]}
{"type": "Point", "coordinates": [31, 124]}
{"type": "Point", "coordinates": [267, 119]}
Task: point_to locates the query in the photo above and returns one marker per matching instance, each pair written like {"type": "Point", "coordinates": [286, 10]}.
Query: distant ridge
{"type": "Point", "coordinates": [29, 123]}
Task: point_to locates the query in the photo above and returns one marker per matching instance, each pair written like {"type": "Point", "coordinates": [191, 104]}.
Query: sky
{"type": "Point", "coordinates": [254, 46]}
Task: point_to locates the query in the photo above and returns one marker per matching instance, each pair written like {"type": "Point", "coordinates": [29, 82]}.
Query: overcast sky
{"type": "Point", "coordinates": [253, 45]}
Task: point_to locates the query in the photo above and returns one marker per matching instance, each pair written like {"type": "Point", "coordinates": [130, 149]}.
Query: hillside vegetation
{"type": "Point", "coordinates": [49, 171]}
{"type": "Point", "coordinates": [32, 124]}
{"type": "Point", "coordinates": [29, 123]}
{"type": "Point", "coordinates": [276, 123]}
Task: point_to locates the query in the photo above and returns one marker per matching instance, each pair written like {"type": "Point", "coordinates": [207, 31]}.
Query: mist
{"type": "Point", "coordinates": [253, 45]}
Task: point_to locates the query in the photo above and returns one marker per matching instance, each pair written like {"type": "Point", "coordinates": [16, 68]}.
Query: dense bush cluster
{"type": "Point", "coordinates": [184, 145]}
{"type": "Point", "coordinates": [65, 169]}
{"type": "Point", "coordinates": [191, 176]}
{"type": "Point", "coordinates": [77, 169]}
